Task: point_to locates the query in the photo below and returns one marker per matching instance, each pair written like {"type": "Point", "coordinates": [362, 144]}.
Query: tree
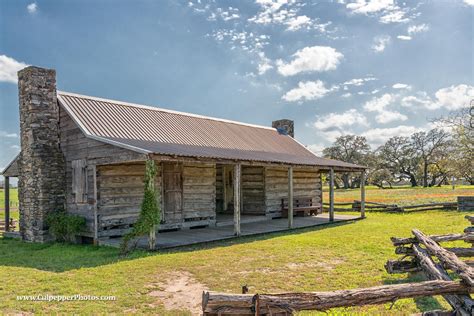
{"type": "Point", "coordinates": [399, 157]}
{"type": "Point", "coordinates": [430, 146]}
{"type": "Point", "coordinates": [348, 148]}
{"type": "Point", "coordinates": [149, 217]}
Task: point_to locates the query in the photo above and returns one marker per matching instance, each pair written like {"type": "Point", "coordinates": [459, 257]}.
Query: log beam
{"type": "Point", "coordinates": [244, 304]}
{"type": "Point", "coordinates": [396, 241]}
{"type": "Point", "coordinates": [460, 252]}
{"type": "Point", "coordinates": [449, 259]}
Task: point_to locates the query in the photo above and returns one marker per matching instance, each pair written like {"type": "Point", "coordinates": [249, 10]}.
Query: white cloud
{"type": "Point", "coordinates": [469, 2]}
{"type": "Point", "coordinates": [8, 135]}
{"type": "Point", "coordinates": [224, 14]}
{"type": "Point", "coordinates": [358, 81]}
{"type": "Point", "coordinates": [15, 147]}
{"type": "Point", "coordinates": [336, 121]}
{"type": "Point", "coordinates": [264, 65]}
{"type": "Point", "coordinates": [418, 28]}
{"type": "Point", "coordinates": [422, 100]}
{"type": "Point", "coordinates": [398, 16]}
{"type": "Point", "coordinates": [346, 95]}
{"type": "Point", "coordinates": [311, 59]}
{"type": "Point", "coordinates": [9, 68]}
{"type": "Point", "coordinates": [379, 105]}
{"type": "Point", "coordinates": [378, 136]}
{"type": "Point", "coordinates": [315, 148]}
{"type": "Point", "coordinates": [387, 116]}
{"type": "Point", "coordinates": [401, 86]}
{"type": "Point", "coordinates": [380, 43]}
{"type": "Point", "coordinates": [295, 23]}
{"type": "Point", "coordinates": [455, 97]}
{"type": "Point", "coordinates": [32, 8]}
{"type": "Point", "coordinates": [247, 41]}
{"type": "Point", "coordinates": [404, 37]}
{"type": "Point", "coordinates": [370, 6]}
{"type": "Point", "coordinates": [309, 90]}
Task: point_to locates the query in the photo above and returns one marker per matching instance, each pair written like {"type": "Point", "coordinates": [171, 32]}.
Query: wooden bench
{"type": "Point", "coordinates": [302, 206]}
{"type": "Point", "coordinates": [12, 225]}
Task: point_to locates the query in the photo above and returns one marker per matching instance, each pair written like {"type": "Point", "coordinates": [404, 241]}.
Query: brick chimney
{"type": "Point", "coordinates": [41, 164]}
{"type": "Point", "coordinates": [286, 126]}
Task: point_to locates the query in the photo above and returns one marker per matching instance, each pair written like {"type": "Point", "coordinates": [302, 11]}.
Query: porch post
{"type": "Point", "coordinates": [7, 204]}
{"type": "Point", "coordinates": [290, 197]}
{"type": "Point", "coordinates": [96, 220]}
{"type": "Point", "coordinates": [237, 170]}
{"type": "Point", "coordinates": [331, 195]}
{"type": "Point", "coordinates": [362, 194]}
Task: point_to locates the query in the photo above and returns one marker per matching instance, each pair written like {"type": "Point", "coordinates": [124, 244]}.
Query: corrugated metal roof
{"type": "Point", "coordinates": [154, 130]}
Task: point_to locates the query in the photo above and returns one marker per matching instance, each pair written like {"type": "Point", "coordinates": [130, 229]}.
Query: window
{"type": "Point", "coordinates": [79, 181]}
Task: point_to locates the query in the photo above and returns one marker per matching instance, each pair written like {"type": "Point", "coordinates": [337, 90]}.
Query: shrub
{"type": "Point", "coordinates": [64, 227]}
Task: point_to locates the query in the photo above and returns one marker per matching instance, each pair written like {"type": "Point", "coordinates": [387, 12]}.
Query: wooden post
{"type": "Point", "coordinates": [96, 220]}
{"type": "Point", "coordinates": [7, 204]}
{"type": "Point", "coordinates": [362, 194]}
{"type": "Point", "coordinates": [237, 171]}
{"type": "Point", "coordinates": [290, 197]}
{"type": "Point", "coordinates": [331, 195]}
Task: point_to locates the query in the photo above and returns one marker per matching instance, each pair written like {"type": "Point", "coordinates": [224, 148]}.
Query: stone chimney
{"type": "Point", "coordinates": [286, 126]}
{"type": "Point", "coordinates": [41, 164]}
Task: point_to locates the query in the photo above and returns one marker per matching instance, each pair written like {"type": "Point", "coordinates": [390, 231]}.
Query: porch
{"type": "Point", "coordinates": [253, 225]}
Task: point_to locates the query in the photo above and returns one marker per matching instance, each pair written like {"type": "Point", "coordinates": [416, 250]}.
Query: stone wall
{"type": "Point", "coordinates": [41, 162]}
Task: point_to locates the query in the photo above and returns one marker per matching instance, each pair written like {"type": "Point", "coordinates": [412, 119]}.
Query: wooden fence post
{"type": "Point", "coordinates": [331, 195]}
{"type": "Point", "coordinates": [290, 197]}
{"type": "Point", "coordinates": [237, 189]}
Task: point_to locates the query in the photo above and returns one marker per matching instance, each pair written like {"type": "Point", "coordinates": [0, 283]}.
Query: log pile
{"type": "Point", "coordinates": [425, 255]}
{"type": "Point", "coordinates": [394, 208]}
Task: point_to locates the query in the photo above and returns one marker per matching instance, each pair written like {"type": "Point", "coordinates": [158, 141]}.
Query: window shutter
{"type": "Point", "coordinates": [79, 180]}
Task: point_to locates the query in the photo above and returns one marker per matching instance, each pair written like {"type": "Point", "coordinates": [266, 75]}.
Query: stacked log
{"type": "Point", "coordinates": [421, 248]}
{"type": "Point", "coordinates": [466, 203]}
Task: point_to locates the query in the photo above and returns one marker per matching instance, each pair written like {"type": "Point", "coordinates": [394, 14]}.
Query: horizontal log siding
{"type": "Point", "coordinates": [75, 145]}
{"type": "Point", "coordinates": [306, 183]}
{"type": "Point", "coordinates": [199, 193]}
{"type": "Point", "coordinates": [253, 190]}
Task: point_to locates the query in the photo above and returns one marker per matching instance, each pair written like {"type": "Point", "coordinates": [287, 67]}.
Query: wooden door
{"type": "Point", "coordinates": [173, 192]}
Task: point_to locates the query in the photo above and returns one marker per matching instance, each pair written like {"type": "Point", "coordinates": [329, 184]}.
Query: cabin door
{"type": "Point", "coordinates": [173, 192]}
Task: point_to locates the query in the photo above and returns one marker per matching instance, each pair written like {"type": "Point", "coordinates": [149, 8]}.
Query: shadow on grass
{"type": "Point", "coordinates": [57, 257]}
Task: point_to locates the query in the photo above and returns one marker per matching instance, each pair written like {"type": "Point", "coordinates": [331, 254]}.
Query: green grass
{"type": "Point", "coordinates": [13, 199]}
{"type": "Point", "coordinates": [340, 256]}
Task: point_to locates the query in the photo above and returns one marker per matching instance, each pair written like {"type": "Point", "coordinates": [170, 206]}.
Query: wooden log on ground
{"type": "Point", "coordinates": [460, 252]}
{"type": "Point", "coordinates": [465, 272]}
{"type": "Point", "coordinates": [244, 304]}
{"type": "Point", "coordinates": [401, 266]}
{"type": "Point", "coordinates": [445, 205]}
{"type": "Point", "coordinates": [469, 230]}
{"type": "Point", "coordinates": [433, 271]}
{"type": "Point", "coordinates": [396, 241]}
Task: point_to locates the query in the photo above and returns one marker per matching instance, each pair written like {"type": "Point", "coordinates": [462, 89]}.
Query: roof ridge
{"type": "Point", "coordinates": [154, 108]}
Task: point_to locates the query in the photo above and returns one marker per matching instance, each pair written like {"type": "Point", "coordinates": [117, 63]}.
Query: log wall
{"type": "Point", "coordinates": [75, 146]}
{"type": "Point", "coordinates": [306, 183]}
{"type": "Point", "coordinates": [199, 194]}
{"type": "Point", "coordinates": [253, 190]}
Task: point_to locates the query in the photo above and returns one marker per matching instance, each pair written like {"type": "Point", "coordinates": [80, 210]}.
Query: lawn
{"type": "Point", "coordinates": [13, 202]}
{"type": "Point", "coordinates": [339, 256]}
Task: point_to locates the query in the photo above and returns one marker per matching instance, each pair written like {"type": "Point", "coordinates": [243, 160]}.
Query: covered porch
{"type": "Point", "coordinates": [251, 226]}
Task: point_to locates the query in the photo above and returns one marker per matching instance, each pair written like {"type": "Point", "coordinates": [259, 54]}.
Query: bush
{"type": "Point", "coordinates": [64, 227]}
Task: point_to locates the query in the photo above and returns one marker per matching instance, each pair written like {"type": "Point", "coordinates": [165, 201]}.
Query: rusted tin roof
{"type": "Point", "coordinates": [149, 129]}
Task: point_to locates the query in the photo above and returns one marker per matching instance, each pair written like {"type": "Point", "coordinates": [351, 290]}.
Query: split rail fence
{"type": "Point", "coordinates": [392, 208]}
{"type": "Point", "coordinates": [426, 256]}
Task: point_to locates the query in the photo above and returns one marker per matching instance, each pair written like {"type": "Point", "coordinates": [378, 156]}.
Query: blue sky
{"type": "Point", "coordinates": [377, 68]}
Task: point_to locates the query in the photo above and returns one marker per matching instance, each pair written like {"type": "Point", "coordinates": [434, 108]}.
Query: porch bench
{"type": "Point", "coordinates": [302, 206]}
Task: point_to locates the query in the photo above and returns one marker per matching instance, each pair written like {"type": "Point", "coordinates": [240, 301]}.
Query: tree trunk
{"type": "Point", "coordinates": [425, 174]}
{"type": "Point", "coordinates": [267, 304]}
{"type": "Point", "coordinates": [345, 180]}
{"type": "Point", "coordinates": [413, 181]}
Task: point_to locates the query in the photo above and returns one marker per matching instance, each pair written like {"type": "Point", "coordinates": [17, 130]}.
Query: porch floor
{"type": "Point", "coordinates": [185, 237]}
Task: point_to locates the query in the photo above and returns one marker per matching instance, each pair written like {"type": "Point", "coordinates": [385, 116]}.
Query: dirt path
{"type": "Point", "coordinates": [179, 291]}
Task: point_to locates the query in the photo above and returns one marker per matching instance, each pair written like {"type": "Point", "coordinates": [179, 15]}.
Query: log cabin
{"type": "Point", "coordinates": [87, 155]}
